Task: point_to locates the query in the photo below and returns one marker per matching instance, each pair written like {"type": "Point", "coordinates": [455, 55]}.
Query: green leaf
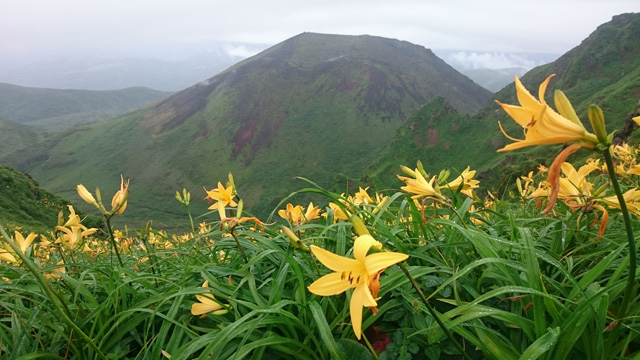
{"type": "Point", "coordinates": [542, 345]}
{"type": "Point", "coordinates": [325, 332]}
{"type": "Point", "coordinates": [352, 349]}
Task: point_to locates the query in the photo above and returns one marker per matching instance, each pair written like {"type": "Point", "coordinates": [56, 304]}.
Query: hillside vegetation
{"type": "Point", "coordinates": [56, 109]}
{"type": "Point", "coordinates": [26, 206]}
{"type": "Point", "coordinates": [314, 105]}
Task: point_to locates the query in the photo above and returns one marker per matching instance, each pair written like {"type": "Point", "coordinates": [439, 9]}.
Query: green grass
{"type": "Point", "coordinates": [513, 285]}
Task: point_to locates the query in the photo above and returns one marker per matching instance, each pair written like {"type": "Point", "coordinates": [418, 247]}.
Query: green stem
{"type": "Point", "coordinates": [432, 311]}
{"type": "Point", "coordinates": [113, 240]}
{"type": "Point", "coordinates": [375, 355]}
{"type": "Point", "coordinates": [244, 256]}
{"type": "Point", "coordinates": [61, 307]}
{"type": "Point", "coordinates": [193, 229]}
{"type": "Point", "coordinates": [631, 280]}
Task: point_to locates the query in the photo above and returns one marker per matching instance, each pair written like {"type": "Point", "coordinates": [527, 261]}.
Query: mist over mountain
{"type": "Point", "coordinates": [178, 67]}
{"type": "Point", "coordinates": [105, 73]}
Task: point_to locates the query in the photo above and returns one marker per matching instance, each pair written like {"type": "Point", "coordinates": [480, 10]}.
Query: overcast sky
{"type": "Point", "coordinates": [171, 29]}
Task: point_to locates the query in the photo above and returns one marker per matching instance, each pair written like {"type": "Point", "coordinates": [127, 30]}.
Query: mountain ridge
{"type": "Point", "coordinates": [58, 109]}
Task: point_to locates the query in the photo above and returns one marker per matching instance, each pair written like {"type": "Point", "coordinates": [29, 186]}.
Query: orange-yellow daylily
{"type": "Point", "coordinates": [419, 186]}
{"type": "Point", "coordinates": [296, 214]}
{"type": "Point", "coordinates": [55, 272]}
{"type": "Point", "coordinates": [543, 125]}
{"type": "Point", "coordinates": [73, 230]}
{"type": "Point", "coordinates": [23, 242]}
{"type": "Point", "coordinates": [466, 181]}
{"type": "Point", "coordinates": [631, 198]}
{"type": "Point", "coordinates": [206, 304]}
{"type": "Point", "coordinates": [222, 196]}
{"type": "Point", "coordinates": [7, 254]}
{"type": "Point", "coordinates": [361, 274]}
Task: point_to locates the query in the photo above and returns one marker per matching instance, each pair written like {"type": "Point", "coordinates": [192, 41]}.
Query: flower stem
{"type": "Point", "coordinates": [631, 280]}
{"type": "Point", "coordinates": [244, 256]}
{"type": "Point", "coordinates": [113, 240]}
{"type": "Point", "coordinates": [375, 355]}
{"type": "Point", "coordinates": [432, 311]}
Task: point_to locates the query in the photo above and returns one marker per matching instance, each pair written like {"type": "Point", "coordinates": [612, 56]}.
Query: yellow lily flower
{"type": "Point", "coordinates": [466, 181]}
{"type": "Point", "coordinates": [293, 214]}
{"type": "Point", "coordinates": [55, 272]}
{"type": "Point", "coordinates": [631, 197]}
{"type": "Point", "coordinates": [338, 213]}
{"type": "Point", "coordinates": [6, 254]}
{"type": "Point", "coordinates": [223, 196]}
{"type": "Point", "coordinates": [24, 243]}
{"type": "Point", "coordinates": [207, 304]}
{"type": "Point", "coordinates": [312, 213]}
{"type": "Point", "coordinates": [542, 125]}
{"type": "Point", "coordinates": [419, 186]}
{"type": "Point", "coordinates": [361, 274]}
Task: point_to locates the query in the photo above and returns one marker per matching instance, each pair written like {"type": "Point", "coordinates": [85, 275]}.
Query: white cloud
{"type": "Point", "coordinates": [489, 60]}
{"type": "Point", "coordinates": [239, 51]}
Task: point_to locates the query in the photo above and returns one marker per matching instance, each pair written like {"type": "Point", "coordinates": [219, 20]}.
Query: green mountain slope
{"type": "Point", "coordinates": [314, 106]}
{"type": "Point", "coordinates": [27, 206]}
{"type": "Point", "coordinates": [15, 136]}
{"type": "Point", "coordinates": [56, 109]}
{"type": "Point", "coordinates": [604, 69]}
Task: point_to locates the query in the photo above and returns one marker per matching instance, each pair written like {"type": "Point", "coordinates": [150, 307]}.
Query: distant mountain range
{"type": "Point", "coordinates": [98, 73]}
{"type": "Point", "coordinates": [314, 105]}
{"type": "Point", "coordinates": [55, 109]}
{"type": "Point", "coordinates": [494, 80]}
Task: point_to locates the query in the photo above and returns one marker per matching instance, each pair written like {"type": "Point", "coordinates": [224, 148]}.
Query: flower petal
{"type": "Point", "coordinates": [361, 297]}
{"type": "Point", "coordinates": [201, 308]}
{"type": "Point", "coordinates": [361, 246]}
{"type": "Point", "coordinates": [334, 262]}
{"type": "Point", "coordinates": [378, 261]}
{"type": "Point", "coordinates": [330, 284]}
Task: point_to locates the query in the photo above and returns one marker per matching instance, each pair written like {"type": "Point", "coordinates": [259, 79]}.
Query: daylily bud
{"type": "Point", "coordinates": [601, 189]}
{"type": "Point", "coordinates": [86, 195]}
{"type": "Point", "coordinates": [119, 200]}
{"type": "Point", "coordinates": [240, 208]}
{"type": "Point", "coordinates": [596, 117]}
{"type": "Point", "coordinates": [421, 168]}
{"type": "Point", "coordinates": [358, 226]}
{"type": "Point", "coordinates": [564, 107]}
{"type": "Point", "coordinates": [60, 218]}
{"type": "Point", "coordinates": [637, 120]}
{"type": "Point", "coordinates": [408, 171]}
{"type": "Point", "coordinates": [443, 176]}
{"type": "Point", "coordinates": [519, 185]}
{"type": "Point", "coordinates": [294, 240]}
{"type": "Point", "coordinates": [98, 195]}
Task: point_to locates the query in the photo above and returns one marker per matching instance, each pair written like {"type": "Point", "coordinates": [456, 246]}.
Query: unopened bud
{"type": "Point", "coordinates": [295, 240]}
{"type": "Point", "coordinates": [358, 226]}
{"type": "Point", "coordinates": [596, 117]}
{"type": "Point", "coordinates": [564, 107]}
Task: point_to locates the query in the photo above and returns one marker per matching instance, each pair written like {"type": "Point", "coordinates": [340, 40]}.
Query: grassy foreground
{"type": "Point", "coordinates": [438, 270]}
